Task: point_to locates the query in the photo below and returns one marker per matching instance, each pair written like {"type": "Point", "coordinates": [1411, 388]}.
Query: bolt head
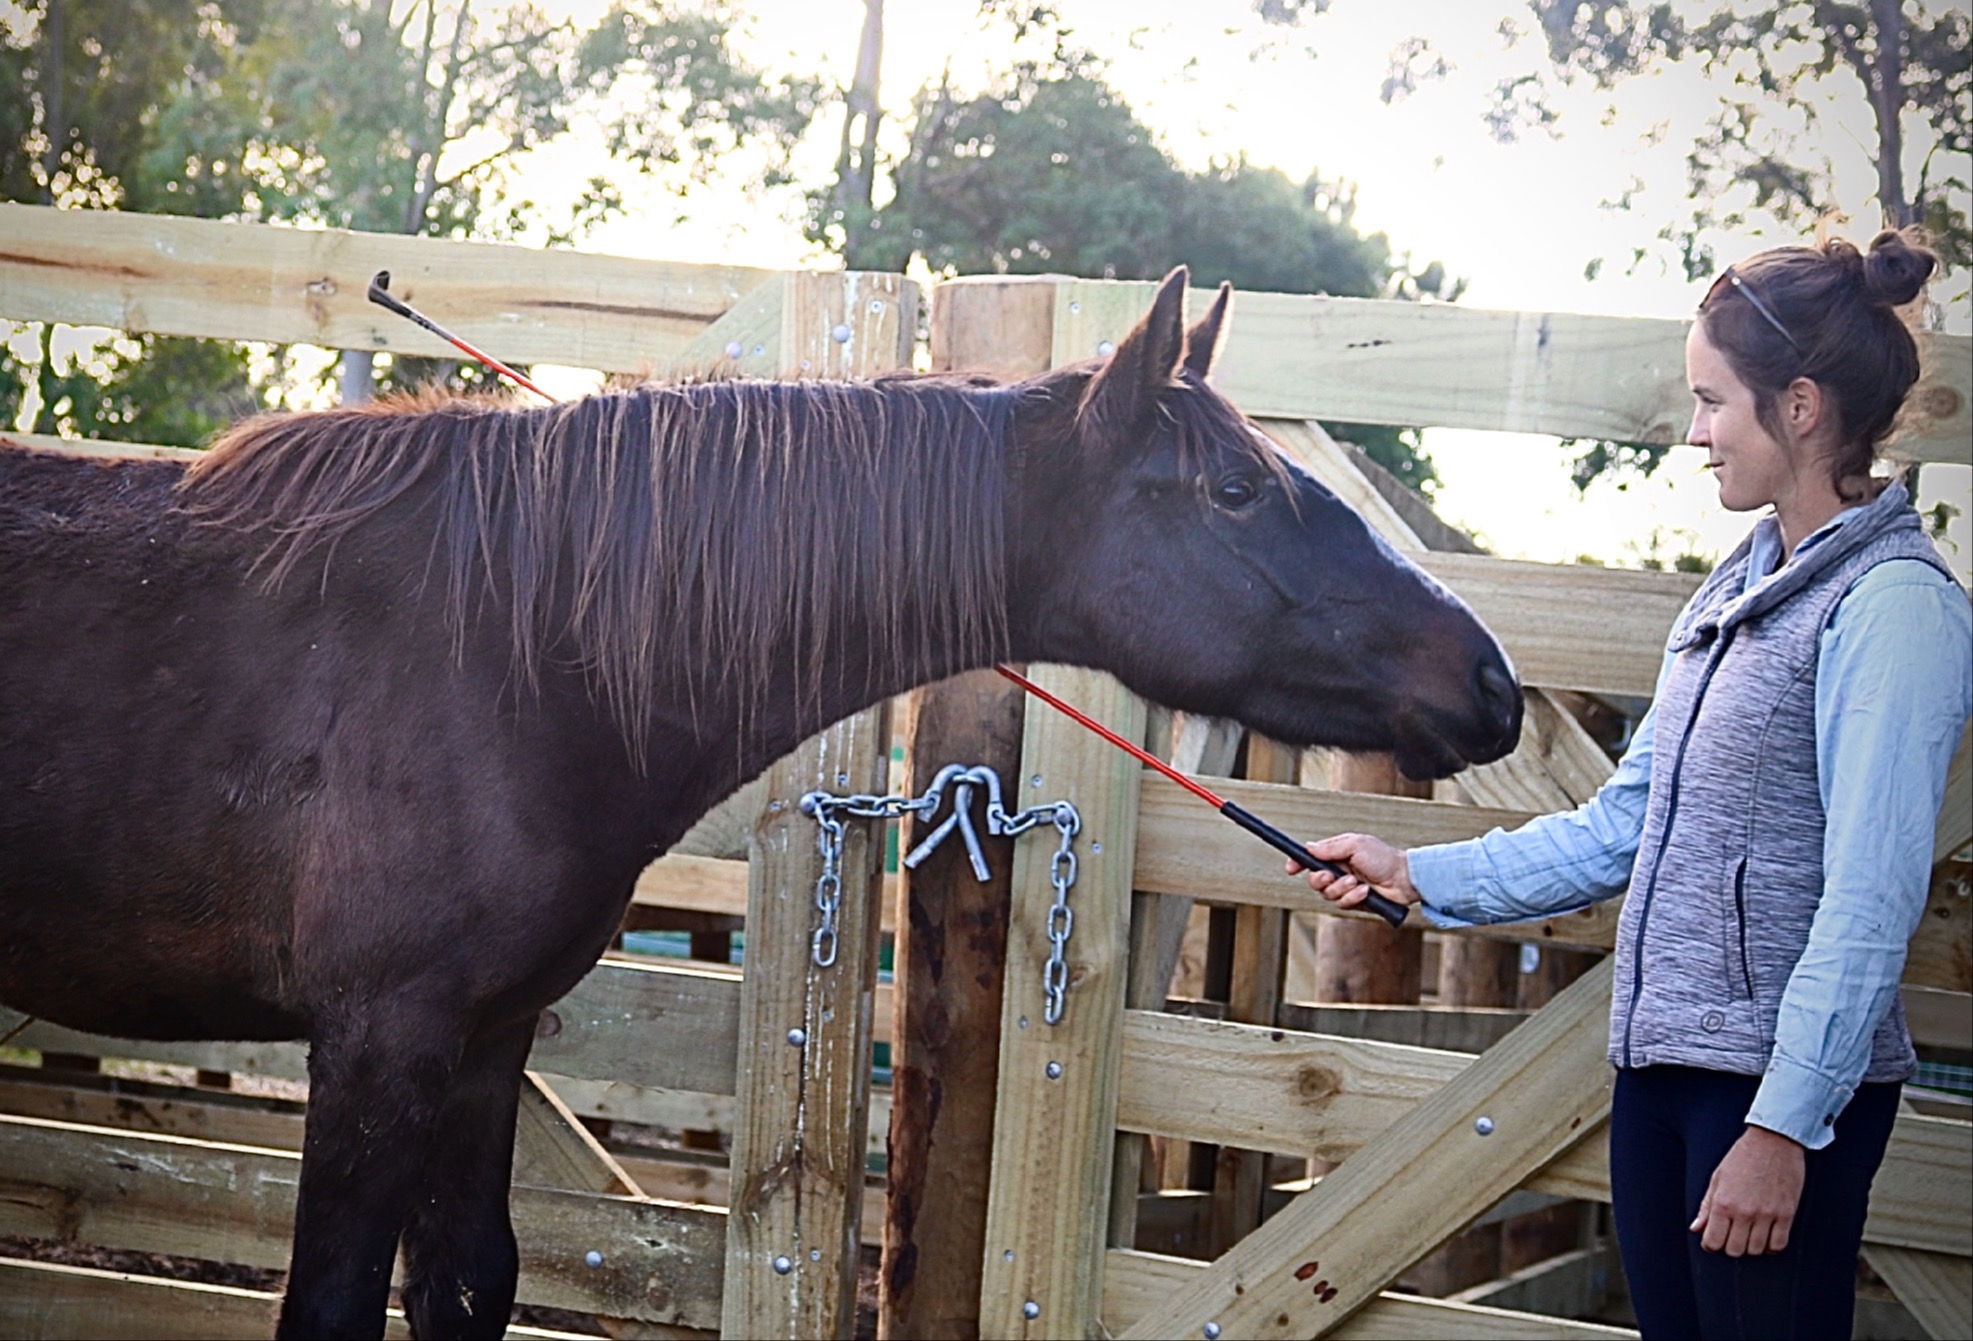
{"type": "Point", "coordinates": [592, 1259]}
{"type": "Point", "coordinates": [1483, 1125]}
{"type": "Point", "coordinates": [1105, 349]}
{"type": "Point", "coordinates": [1211, 1331]}
{"type": "Point", "coordinates": [734, 349]}
{"type": "Point", "coordinates": [839, 333]}
{"type": "Point", "coordinates": [783, 1265]}
{"type": "Point", "coordinates": [1031, 1310]}
{"type": "Point", "coordinates": [1054, 1070]}
{"type": "Point", "coordinates": [797, 1037]}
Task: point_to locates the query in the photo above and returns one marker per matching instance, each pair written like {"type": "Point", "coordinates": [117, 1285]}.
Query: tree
{"type": "Point", "coordinates": [1051, 171]}
{"type": "Point", "coordinates": [1771, 145]}
{"type": "Point", "coordinates": [387, 115]}
{"type": "Point", "coordinates": [1761, 149]}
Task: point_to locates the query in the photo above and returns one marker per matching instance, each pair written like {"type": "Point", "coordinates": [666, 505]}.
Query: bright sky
{"type": "Point", "coordinates": [1519, 221]}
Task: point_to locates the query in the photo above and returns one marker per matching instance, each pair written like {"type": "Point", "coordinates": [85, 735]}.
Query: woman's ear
{"type": "Point", "coordinates": [1805, 408]}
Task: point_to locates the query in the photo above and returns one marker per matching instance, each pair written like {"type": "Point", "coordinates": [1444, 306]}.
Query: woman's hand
{"type": "Point", "coordinates": [1749, 1206]}
{"type": "Point", "coordinates": [1368, 863]}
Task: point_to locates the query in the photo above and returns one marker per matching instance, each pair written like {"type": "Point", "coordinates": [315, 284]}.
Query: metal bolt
{"type": "Point", "coordinates": [876, 304]}
{"type": "Point", "coordinates": [1054, 1070]}
{"type": "Point", "coordinates": [1211, 1330]}
{"type": "Point", "coordinates": [1024, 1022]}
{"type": "Point", "coordinates": [783, 1265]}
{"type": "Point", "coordinates": [839, 333]}
{"type": "Point", "coordinates": [842, 779]}
{"type": "Point", "coordinates": [1075, 307]}
{"type": "Point", "coordinates": [1483, 1125]}
{"type": "Point", "coordinates": [734, 349]}
{"type": "Point", "coordinates": [797, 1037]}
{"type": "Point", "coordinates": [815, 1254]}
{"type": "Point", "coordinates": [1105, 349]}
{"type": "Point", "coordinates": [1007, 1255]}
{"type": "Point", "coordinates": [1095, 848]}
{"type": "Point", "coordinates": [759, 350]}
{"type": "Point", "coordinates": [592, 1259]}
{"type": "Point", "coordinates": [1031, 1310]}
{"type": "Point", "coordinates": [1035, 781]}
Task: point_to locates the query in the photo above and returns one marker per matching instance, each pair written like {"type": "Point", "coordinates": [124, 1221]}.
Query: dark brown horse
{"type": "Point", "coordinates": [360, 729]}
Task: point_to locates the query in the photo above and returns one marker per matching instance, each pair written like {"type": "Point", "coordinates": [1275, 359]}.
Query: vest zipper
{"type": "Point", "coordinates": [1740, 918]}
{"type": "Point", "coordinates": [1664, 841]}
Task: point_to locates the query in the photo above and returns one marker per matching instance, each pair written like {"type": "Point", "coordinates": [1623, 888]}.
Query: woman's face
{"type": "Point", "coordinates": [1752, 467]}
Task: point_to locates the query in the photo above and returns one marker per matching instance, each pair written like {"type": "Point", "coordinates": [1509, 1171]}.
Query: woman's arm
{"type": "Point", "coordinates": [1894, 687]}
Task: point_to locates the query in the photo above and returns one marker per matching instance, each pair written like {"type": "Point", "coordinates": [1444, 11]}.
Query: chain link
{"type": "Point", "coordinates": [829, 813]}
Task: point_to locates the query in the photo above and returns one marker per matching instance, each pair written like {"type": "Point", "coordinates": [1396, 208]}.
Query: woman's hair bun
{"type": "Point", "coordinates": [1895, 270]}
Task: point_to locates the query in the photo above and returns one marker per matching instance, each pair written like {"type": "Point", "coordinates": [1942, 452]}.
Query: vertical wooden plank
{"type": "Point", "coordinates": [805, 1031]}
{"type": "Point", "coordinates": [1055, 1109]}
{"type": "Point", "coordinates": [952, 936]}
{"type": "Point", "coordinates": [1260, 950]}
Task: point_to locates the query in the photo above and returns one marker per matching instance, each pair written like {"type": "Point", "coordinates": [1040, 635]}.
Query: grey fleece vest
{"type": "Point", "coordinates": [1729, 872]}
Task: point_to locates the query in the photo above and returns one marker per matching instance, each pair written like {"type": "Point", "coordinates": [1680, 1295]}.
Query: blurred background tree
{"type": "Point", "coordinates": [1050, 171]}
{"type": "Point", "coordinates": [1764, 149]}
{"type": "Point", "coordinates": [379, 115]}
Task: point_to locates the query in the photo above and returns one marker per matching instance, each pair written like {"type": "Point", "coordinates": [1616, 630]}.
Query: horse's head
{"type": "Point", "coordinates": [1156, 534]}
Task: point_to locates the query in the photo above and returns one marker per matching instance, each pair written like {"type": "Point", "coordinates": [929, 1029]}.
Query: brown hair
{"type": "Point", "coordinates": [1829, 313]}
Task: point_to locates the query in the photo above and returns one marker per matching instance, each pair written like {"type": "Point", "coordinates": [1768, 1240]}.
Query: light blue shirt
{"type": "Point", "coordinates": [1887, 722]}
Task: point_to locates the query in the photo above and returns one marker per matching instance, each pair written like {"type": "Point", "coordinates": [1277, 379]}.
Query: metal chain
{"type": "Point", "coordinates": [830, 811]}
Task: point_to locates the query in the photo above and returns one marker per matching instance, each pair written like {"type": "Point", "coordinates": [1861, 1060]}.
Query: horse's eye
{"type": "Point", "coordinates": [1235, 493]}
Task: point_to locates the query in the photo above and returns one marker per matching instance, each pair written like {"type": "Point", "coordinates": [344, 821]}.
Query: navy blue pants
{"type": "Point", "coordinates": [1670, 1126]}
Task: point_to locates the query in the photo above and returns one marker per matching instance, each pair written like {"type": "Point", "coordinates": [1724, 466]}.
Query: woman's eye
{"type": "Point", "coordinates": [1235, 493]}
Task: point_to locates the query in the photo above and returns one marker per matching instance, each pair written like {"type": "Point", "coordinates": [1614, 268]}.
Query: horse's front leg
{"type": "Point", "coordinates": [377, 1078]}
{"type": "Point", "coordinates": [459, 1256]}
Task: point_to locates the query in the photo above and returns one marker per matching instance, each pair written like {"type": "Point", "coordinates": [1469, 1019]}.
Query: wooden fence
{"type": "Point", "coordinates": [1027, 1198]}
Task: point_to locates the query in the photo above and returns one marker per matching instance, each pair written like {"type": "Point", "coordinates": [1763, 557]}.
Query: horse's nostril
{"type": "Point", "coordinates": [1499, 691]}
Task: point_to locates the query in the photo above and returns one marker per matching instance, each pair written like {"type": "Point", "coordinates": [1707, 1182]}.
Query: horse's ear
{"type": "Point", "coordinates": [1123, 392]}
{"type": "Point", "coordinates": [1202, 342]}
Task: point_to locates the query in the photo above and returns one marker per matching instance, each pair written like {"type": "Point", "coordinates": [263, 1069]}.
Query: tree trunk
{"type": "Point", "coordinates": [856, 162]}
{"type": "Point", "coordinates": [1887, 99]}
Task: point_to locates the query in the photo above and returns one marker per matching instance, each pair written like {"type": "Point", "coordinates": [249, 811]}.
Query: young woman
{"type": "Point", "coordinates": [1772, 820]}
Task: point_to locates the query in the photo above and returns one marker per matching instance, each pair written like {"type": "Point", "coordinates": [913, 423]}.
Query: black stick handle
{"type": "Point", "coordinates": [1273, 837]}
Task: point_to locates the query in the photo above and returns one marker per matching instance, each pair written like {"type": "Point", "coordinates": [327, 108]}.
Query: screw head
{"type": "Point", "coordinates": [797, 1037]}
{"type": "Point", "coordinates": [1105, 349]}
{"type": "Point", "coordinates": [1054, 1070]}
{"type": "Point", "coordinates": [592, 1259]}
{"type": "Point", "coordinates": [734, 349]}
{"type": "Point", "coordinates": [1211, 1331]}
{"type": "Point", "coordinates": [1031, 1310]}
{"type": "Point", "coordinates": [783, 1265]}
{"type": "Point", "coordinates": [839, 333]}
{"type": "Point", "coordinates": [1483, 1125]}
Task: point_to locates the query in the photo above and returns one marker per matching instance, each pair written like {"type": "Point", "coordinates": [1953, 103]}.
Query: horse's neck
{"type": "Point", "coordinates": [852, 627]}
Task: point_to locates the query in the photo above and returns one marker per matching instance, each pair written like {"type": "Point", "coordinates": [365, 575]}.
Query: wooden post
{"type": "Point", "coordinates": [952, 939]}
{"type": "Point", "coordinates": [1055, 1110]}
{"type": "Point", "coordinates": [1259, 958]}
{"type": "Point", "coordinates": [805, 1030]}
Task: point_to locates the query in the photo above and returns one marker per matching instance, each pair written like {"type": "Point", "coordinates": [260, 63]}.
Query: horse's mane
{"type": "Point", "coordinates": [707, 523]}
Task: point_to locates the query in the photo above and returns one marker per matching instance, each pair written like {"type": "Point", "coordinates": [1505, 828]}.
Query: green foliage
{"type": "Point", "coordinates": [1916, 67]}
{"type": "Point", "coordinates": [1762, 149]}
{"type": "Point", "coordinates": [366, 114]}
{"type": "Point", "coordinates": [1052, 172]}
